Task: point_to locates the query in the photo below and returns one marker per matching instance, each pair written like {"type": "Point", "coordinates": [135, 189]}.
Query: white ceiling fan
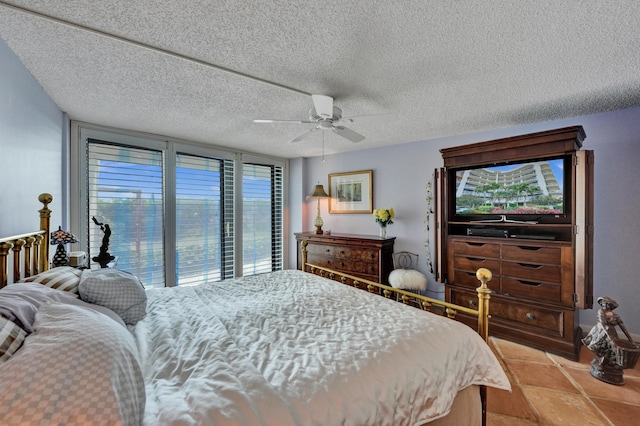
{"type": "Point", "coordinates": [326, 116]}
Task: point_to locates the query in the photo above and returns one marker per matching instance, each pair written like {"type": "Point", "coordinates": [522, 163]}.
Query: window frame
{"type": "Point", "coordinates": [170, 147]}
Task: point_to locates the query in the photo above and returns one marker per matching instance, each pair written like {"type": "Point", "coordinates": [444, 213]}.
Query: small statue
{"type": "Point", "coordinates": [612, 353]}
{"type": "Point", "coordinates": [103, 257]}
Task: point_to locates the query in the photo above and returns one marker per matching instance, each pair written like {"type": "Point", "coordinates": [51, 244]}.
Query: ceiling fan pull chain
{"type": "Point", "coordinates": [323, 147]}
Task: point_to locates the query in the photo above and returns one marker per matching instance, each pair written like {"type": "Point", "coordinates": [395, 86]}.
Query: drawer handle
{"type": "Point", "coordinates": [341, 251]}
{"type": "Point", "coordinates": [327, 250]}
{"type": "Point", "coordinates": [473, 303]}
{"type": "Point", "coordinates": [530, 266]}
{"type": "Point", "coordinates": [370, 268]}
{"type": "Point", "coordinates": [530, 283]}
{"type": "Point", "coordinates": [530, 248]}
{"type": "Point", "coordinates": [477, 259]}
{"type": "Point", "coordinates": [475, 244]}
{"type": "Point", "coordinates": [342, 264]}
{"type": "Point", "coordinates": [530, 316]}
{"type": "Point", "coordinates": [371, 256]}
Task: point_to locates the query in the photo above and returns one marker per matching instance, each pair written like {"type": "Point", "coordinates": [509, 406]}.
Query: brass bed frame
{"type": "Point", "coordinates": [28, 254]}
{"type": "Point", "coordinates": [30, 250]}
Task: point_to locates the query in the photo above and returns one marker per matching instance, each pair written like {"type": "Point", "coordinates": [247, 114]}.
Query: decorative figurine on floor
{"type": "Point", "coordinates": [612, 353]}
{"type": "Point", "coordinates": [103, 257]}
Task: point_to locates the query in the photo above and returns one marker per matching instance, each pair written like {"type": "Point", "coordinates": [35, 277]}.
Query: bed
{"type": "Point", "coordinates": [292, 347]}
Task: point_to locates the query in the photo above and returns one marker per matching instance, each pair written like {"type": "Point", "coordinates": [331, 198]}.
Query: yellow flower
{"type": "Point", "coordinates": [384, 216]}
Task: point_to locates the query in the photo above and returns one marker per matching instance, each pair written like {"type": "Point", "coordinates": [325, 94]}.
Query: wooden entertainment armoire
{"type": "Point", "coordinates": [541, 265]}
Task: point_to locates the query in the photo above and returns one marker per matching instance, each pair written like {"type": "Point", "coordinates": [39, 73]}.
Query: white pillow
{"type": "Point", "coordinates": [117, 290]}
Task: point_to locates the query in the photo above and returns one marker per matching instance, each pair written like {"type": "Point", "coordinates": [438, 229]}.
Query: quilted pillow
{"type": "Point", "coordinates": [11, 338]}
{"type": "Point", "coordinates": [62, 278]}
{"type": "Point", "coordinates": [117, 290]}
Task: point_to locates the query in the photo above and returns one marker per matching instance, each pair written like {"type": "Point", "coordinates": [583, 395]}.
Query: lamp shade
{"type": "Point", "coordinates": [62, 237]}
{"type": "Point", "coordinates": [318, 192]}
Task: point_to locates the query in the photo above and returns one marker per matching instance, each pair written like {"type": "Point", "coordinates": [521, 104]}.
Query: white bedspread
{"type": "Point", "coordinates": [290, 348]}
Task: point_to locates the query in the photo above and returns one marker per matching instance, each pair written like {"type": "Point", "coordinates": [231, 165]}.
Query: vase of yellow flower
{"type": "Point", "coordinates": [384, 217]}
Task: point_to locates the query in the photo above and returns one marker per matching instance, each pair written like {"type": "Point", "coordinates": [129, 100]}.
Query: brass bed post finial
{"type": "Point", "coordinates": [484, 294]}
{"type": "Point", "coordinates": [45, 223]}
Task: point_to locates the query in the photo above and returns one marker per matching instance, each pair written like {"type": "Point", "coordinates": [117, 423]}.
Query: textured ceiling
{"type": "Point", "coordinates": [203, 70]}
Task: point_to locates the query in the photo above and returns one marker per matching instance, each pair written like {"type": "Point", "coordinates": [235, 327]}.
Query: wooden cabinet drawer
{"type": "Point", "coordinates": [479, 249]}
{"type": "Point", "coordinates": [529, 316]}
{"type": "Point", "coordinates": [467, 299]}
{"type": "Point", "coordinates": [502, 309]}
{"type": "Point", "coordinates": [472, 264]}
{"type": "Point", "coordinates": [532, 271]}
{"type": "Point", "coordinates": [533, 254]}
{"type": "Point", "coordinates": [531, 289]}
{"type": "Point", "coordinates": [468, 279]}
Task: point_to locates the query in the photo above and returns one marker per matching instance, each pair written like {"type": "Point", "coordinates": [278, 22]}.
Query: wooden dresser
{"type": "Point", "coordinates": [363, 256]}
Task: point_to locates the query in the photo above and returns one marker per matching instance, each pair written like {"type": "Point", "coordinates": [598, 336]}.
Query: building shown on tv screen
{"type": "Point", "coordinates": [510, 187]}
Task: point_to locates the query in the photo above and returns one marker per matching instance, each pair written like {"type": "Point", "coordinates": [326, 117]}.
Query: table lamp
{"type": "Point", "coordinates": [60, 237]}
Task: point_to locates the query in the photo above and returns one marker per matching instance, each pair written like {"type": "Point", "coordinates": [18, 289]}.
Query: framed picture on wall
{"type": "Point", "coordinates": [351, 192]}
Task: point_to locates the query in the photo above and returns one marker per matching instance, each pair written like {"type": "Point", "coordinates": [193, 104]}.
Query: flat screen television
{"type": "Point", "coordinates": [528, 191]}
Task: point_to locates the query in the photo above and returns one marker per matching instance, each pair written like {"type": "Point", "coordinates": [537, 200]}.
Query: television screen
{"type": "Point", "coordinates": [533, 188]}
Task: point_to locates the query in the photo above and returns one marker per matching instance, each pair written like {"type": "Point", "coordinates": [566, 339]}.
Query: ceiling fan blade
{"type": "Point", "coordinates": [304, 135]}
{"type": "Point", "coordinates": [261, 120]}
{"type": "Point", "coordinates": [348, 133]}
{"type": "Point", "coordinates": [323, 105]}
{"type": "Point", "coordinates": [369, 118]}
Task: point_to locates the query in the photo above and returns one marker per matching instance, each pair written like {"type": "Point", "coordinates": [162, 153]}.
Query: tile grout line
{"type": "Point", "coordinates": [517, 383]}
{"type": "Point", "coordinates": [580, 389]}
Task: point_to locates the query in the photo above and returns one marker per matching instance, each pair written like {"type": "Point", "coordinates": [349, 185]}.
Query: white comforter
{"type": "Point", "coordinates": [291, 348]}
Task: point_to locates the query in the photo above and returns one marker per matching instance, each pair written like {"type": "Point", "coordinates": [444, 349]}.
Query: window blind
{"type": "Point", "coordinates": [204, 248]}
{"type": "Point", "coordinates": [262, 203]}
{"type": "Point", "coordinates": [126, 192]}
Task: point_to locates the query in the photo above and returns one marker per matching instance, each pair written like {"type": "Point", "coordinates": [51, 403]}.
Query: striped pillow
{"type": "Point", "coordinates": [62, 278]}
{"type": "Point", "coordinates": [11, 338]}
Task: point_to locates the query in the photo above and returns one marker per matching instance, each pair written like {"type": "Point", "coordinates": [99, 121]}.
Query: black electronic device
{"type": "Point", "coordinates": [488, 232]}
{"type": "Point", "coordinates": [534, 236]}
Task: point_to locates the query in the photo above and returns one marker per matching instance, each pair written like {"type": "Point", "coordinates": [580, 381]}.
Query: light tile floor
{"type": "Point", "coordinates": [552, 390]}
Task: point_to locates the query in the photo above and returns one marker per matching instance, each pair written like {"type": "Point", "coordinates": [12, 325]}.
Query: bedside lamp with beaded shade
{"type": "Point", "coordinates": [60, 237]}
{"type": "Point", "coordinates": [318, 193]}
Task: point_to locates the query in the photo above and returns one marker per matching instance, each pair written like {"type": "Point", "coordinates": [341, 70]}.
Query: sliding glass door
{"type": "Point", "coordinates": [178, 215]}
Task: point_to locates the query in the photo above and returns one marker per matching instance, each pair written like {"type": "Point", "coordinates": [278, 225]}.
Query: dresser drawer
{"type": "Point", "coordinates": [532, 271]}
{"type": "Point", "coordinates": [316, 249]}
{"type": "Point", "coordinates": [533, 254]}
{"type": "Point", "coordinates": [478, 249]}
{"type": "Point", "coordinates": [370, 255]}
{"type": "Point", "coordinates": [534, 290]}
{"type": "Point", "coordinates": [320, 260]}
{"type": "Point", "coordinates": [472, 264]}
